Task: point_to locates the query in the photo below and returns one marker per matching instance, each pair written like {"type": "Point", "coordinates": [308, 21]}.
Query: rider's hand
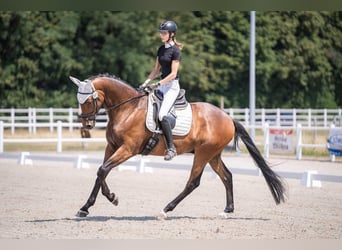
{"type": "Point", "coordinates": [149, 88]}
{"type": "Point", "coordinates": [142, 87]}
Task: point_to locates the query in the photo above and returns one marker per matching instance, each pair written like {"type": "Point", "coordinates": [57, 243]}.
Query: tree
{"type": "Point", "coordinates": [36, 54]}
{"type": "Point", "coordinates": [298, 55]}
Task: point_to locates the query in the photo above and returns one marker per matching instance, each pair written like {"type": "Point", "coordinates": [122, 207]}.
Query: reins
{"type": "Point", "coordinates": [124, 102]}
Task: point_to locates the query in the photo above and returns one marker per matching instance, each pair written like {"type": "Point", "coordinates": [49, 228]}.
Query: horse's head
{"type": "Point", "coordinates": [89, 100]}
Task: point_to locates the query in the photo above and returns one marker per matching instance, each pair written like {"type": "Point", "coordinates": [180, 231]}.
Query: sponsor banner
{"type": "Point", "coordinates": [281, 141]}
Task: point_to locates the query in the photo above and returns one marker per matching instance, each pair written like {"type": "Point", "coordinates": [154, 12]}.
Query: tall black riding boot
{"type": "Point", "coordinates": [171, 149]}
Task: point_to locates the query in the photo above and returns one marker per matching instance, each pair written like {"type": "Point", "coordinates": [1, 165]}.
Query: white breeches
{"type": "Point", "coordinates": [170, 91]}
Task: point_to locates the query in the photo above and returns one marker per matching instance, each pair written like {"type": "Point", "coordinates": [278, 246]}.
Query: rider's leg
{"type": "Point", "coordinates": [171, 149]}
{"type": "Point", "coordinates": [170, 94]}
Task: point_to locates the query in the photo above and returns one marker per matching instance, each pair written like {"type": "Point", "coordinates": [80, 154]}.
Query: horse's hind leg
{"type": "Point", "coordinates": [193, 182]}
{"type": "Point", "coordinates": [226, 177]}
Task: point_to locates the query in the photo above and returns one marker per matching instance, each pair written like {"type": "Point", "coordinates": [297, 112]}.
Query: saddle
{"type": "Point", "coordinates": [181, 101]}
{"type": "Point", "coordinates": [179, 104]}
{"type": "Point", "coordinates": [180, 117]}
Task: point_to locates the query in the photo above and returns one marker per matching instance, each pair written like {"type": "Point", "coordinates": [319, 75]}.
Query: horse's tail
{"type": "Point", "coordinates": [273, 180]}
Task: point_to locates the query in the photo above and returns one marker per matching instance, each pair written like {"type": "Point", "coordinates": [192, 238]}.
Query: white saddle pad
{"type": "Point", "coordinates": [183, 120]}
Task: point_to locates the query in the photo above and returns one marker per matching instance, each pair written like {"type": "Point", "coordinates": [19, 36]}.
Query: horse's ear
{"type": "Point", "coordinates": [75, 80]}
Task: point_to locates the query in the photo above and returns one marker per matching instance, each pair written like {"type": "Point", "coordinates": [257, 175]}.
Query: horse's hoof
{"type": "Point", "coordinates": [82, 213]}
{"type": "Point", "coordinates": [224, 215]}
{"type": "Point", "coordinates": [116, 201]}
{"type": "Point", "coordinates": [229, 209]}
{"type": "Point", "coordinates": [162, 215]}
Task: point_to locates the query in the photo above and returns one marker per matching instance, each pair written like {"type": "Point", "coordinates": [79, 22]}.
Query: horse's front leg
{"type": "Point", "coordinates": [118, 157]}
{"type": "Point", "coordinates": [83, 212]}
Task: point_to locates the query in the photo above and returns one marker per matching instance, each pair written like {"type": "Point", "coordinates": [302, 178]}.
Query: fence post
{"type": "Point", "coordinates": [325, 118]}
{"type": "Point", "coordinates": [70, 119]}
{"type": "Point", "coordinates": [29, 120]}
{"type": "Point", "coordinates": [309, 118]}
{"type": "Point", "coordinates": [278, 117]}
{"type": "Point", "coordinates": [34, 120]}
{"type": "Point", "coordinates": [294, 118]}
{"type": "Point", "coordinates": [51, 119]}
{"type": "Point", "coordinates": [267, 140]}
{"type": "Point", "coordinates": [231, 113]}
{"type": "Point", "coordinates": [59, 136]}
{"type": "Point", "coordinates": [12, 121]}
{"type": "Point", "coordinates": [263, 115]}
{"type": "Point", "coordinates": [1, 136]}
{"type": "Point", "coordinates": [299, 142]}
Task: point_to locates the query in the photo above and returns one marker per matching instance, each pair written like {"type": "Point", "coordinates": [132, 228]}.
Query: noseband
{"type": "Point", "coordinates": [93, 113]}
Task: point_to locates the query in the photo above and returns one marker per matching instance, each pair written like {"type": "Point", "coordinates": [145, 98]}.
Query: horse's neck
{"type": "Point", "coordinates": [116, 92]}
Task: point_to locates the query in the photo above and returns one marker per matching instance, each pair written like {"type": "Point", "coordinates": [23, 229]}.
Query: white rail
{"type": "Point", "coordinates": [60, 139]}
{"type": "Point", "coordinates": [30, 118]}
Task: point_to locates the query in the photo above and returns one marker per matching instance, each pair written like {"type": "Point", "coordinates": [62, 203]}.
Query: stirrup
{"type": "Point", "coordinates": [170, 153]}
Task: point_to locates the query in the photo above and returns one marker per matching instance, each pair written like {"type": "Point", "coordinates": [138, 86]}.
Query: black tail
{"type": "Point", "coordinates": [273, 180]}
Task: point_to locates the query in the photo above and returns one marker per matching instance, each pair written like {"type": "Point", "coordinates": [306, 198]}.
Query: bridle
{"type": "Point", "coordinates": [91, 114]}
{"type": "Point", "coordinates": [94, 94]}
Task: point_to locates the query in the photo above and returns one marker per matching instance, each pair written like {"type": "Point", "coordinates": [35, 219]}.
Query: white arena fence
{"type": "Point", "coordinates": [56, 119]}
{"type": "Point", "coordinates": [30, 118]}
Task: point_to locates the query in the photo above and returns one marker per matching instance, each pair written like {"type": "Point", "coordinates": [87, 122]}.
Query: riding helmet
{"type": "Point", "coordinates": [169, 26]}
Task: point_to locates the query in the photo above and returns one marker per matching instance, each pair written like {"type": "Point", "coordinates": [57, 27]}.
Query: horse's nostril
{"type": "Point", "coordinates": [89, 126]}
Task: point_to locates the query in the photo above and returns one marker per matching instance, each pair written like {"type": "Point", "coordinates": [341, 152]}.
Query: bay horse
{"type": "Point", "coordinates": [211, 130]}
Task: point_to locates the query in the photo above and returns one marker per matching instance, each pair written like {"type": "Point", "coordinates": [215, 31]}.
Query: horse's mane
{"type": "Point", "coordinates": [112, 77]}
{"type": "Point", "coordinates": [105, 75]}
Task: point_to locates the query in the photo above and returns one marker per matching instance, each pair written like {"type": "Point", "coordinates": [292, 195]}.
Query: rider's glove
{"type": "Point", "coordinates": [149, 88]}
{"type": "Point", "coordinates": [143, 86]}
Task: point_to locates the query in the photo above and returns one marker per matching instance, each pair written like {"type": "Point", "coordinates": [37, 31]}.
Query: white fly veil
{"type": "Point", "coordinates": [85, 89]}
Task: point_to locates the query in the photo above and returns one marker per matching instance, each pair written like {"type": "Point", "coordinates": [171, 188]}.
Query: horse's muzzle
{"type": "Point", "coordinates": [88, 124]}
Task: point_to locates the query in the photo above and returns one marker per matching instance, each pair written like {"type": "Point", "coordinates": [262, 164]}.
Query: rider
{"type": "Point", "coordinates": [168, 60]}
